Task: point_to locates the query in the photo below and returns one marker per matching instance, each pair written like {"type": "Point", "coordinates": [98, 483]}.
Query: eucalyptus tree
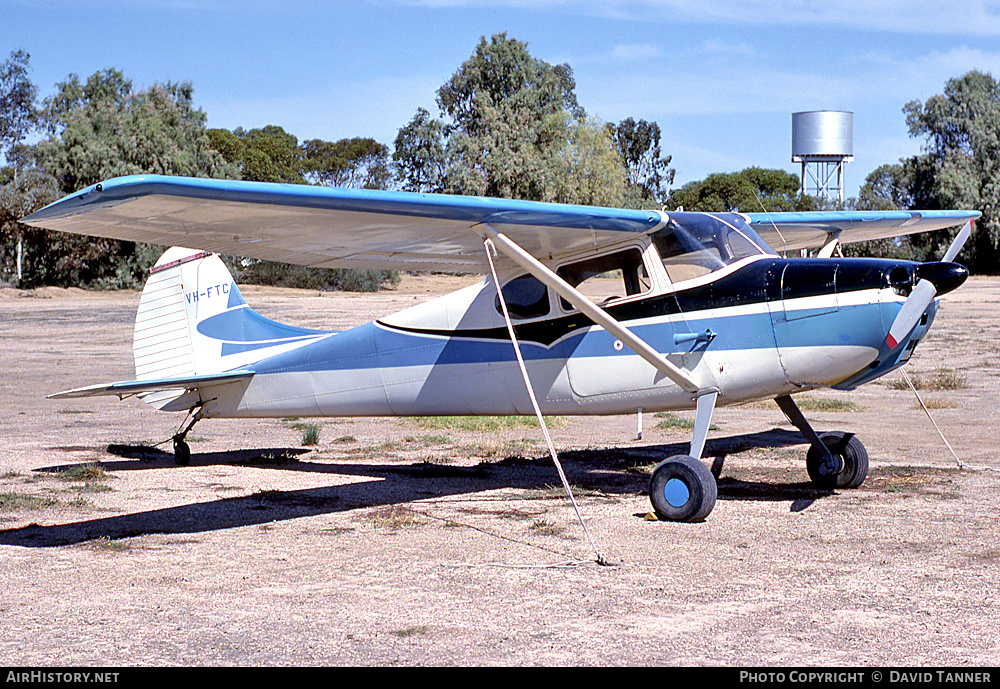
{"type": "Point", "coordinates": [960, 166]}
{"type": "Point", "coordinates": [511, 128]}
{"type": "Point", "coordinates": [104, 128]}
{"type": "Point", "coordinates": [649, 172]}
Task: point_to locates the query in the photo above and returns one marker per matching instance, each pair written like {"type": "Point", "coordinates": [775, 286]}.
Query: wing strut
{"type": "Point", "coordinates": [831, 245]}
{"type": "Point", "coordinates": [490, 250]}
{"type": "Point", "coordinates": [592, 311]}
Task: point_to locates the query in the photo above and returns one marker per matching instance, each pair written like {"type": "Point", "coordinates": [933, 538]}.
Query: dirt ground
{"type": "Point", "coordinates": [411, 542]}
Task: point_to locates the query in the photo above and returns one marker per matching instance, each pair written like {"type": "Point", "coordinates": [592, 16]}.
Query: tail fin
{"type": "Point", "coordinates": [193, 321]}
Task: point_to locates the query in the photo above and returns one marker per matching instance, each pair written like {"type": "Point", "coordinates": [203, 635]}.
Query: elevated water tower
{"type": "Point", "coordinates": [822, 141]}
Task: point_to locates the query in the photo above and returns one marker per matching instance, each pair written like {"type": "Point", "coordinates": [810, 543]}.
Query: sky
{"type": "Point", "coordinates": [721, 78]}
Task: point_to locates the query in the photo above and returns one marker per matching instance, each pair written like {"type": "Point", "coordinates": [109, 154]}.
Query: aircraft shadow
{"type": "Point", "coordinates": [613, 471]}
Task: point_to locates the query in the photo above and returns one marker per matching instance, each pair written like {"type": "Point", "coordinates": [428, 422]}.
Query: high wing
{"type": "Point", "coordinates": [324, 227]}
{"type": "Point", "coordinates": [812, 230]}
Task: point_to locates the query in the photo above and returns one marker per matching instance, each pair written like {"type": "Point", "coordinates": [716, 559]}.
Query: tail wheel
{"type": "Point", "coordinates": [182, 453]}
{"type": "Point", "coordinates": [853, 455]}
{"type": "Point", "coordinates": [682, 489]}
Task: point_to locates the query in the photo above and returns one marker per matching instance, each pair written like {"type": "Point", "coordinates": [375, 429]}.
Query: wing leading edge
{"type": "Point", "coordinates": [325, 227]}
{"type": "Point", "coordinates": [329, 228]}
{"type": "Point", "coordinates": [794, 231]}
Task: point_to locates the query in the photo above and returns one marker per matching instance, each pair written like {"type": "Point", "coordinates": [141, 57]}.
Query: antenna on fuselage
{"type": "Point", "coordinates": [768, 214]}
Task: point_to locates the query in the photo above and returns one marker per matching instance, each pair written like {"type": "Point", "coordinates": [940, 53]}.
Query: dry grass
{"type": "Point", "coordinates": [827, 404]}
{"type": "Point", "coordinates": [938, 379]}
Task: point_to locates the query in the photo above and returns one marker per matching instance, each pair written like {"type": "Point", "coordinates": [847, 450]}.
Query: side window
{"type": "Point", "coordinates": [603, 279]}
{"type": "Point", "coordinates": [526, 297]}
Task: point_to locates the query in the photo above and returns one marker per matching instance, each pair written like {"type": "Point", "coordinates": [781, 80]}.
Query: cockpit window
{"type": "Point", "coordinates": [605, 278]}
{"type": "Point", "coordinates": [526, 297]}
{"type": "Point", "coordinates": [695, 244]}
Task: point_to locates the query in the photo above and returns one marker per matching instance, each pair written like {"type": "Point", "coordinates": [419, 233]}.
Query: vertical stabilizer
{"type": "Point", "coordinates": [193, 321]}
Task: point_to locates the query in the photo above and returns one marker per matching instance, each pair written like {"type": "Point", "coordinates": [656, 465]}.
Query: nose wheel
{"type": "Point", "coordinates": [852, 456]}
{"type": "Point", "coordinates": [834, 460]}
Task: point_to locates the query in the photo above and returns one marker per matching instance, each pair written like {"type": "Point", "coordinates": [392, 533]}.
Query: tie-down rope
{"type": "Point", "coordinates": [961, 464]}
{"type": "Point", "coordinates": [490, 252]}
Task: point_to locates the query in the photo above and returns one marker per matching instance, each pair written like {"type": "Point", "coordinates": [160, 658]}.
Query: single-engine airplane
{"type": "Point", "coordinates": [704, 311]}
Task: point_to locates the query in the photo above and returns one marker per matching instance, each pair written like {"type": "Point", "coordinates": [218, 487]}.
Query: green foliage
{"type": "Point", "coordinates": [587, 168]}
{"type": "Point", "coordinates": [751, 190]}
{"type": "Point", "coordinates": [649, 172]}
{"type": "Point", "coordinates": [96, 130]}
{"type": "Point", "coordinates": [322, 279]}
{"type": "Point", "coordinates": [419, 157]}
{"type": "Point", "coordinates": [486, 424]}
{"type": "Point", "coordinates": [17, 101]}
{"type": "Point", "coordinates": [503, 76]}
{"type": "Point", "coordinates": [827, 404]}
{"type": "Point", "coordinates": [509, 112]}
{"type": "Point", "coordinates": [938, 379]}
{"type": "Point", "coordinates": [310, 433]}
{"type": "Point", "coordinates": [357, 163]}
{"type": "Point", "coordinates": [960, 168]}
{"type": "Point", "coordinates": [104, 129]}
{"type": "Point", "coordinates": [514, 129]}
{"type": "Point", "coordinates": [270, 154]}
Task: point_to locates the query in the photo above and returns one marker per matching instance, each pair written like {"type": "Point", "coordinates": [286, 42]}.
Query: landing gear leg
{"type": "Point", "coordinates": [182, 452]}
{"type": "Point", "coordinates": [834, 460]}
{"type": "Point", "coordinates": [682, 489]}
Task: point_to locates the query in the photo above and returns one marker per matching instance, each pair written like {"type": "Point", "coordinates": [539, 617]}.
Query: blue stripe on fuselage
{"type": "Point", "coordinates": [376, 345]}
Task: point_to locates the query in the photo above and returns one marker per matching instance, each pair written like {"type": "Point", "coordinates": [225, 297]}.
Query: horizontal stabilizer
{"type": "Point", "coordinates": [133, 387]}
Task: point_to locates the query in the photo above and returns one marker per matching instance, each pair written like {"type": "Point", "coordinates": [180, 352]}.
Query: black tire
{"type": "Point", "coordinates": [682, 489]}
{"type": "Point", "coordinates": [851, 452]}
{"type": "Point", "coordinates": [182, 453]}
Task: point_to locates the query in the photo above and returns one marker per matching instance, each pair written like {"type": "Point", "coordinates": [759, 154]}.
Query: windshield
{"type": "Point", "coordinates": [695, 244]}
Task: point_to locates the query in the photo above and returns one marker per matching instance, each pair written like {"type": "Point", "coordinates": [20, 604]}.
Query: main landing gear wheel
{"type": "Point", "coordinates": [853, 456]}
{"type": "Point", "coordinates": [682, 489]}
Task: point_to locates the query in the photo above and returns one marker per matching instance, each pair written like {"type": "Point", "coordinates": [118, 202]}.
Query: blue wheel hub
{"type": "Point", "coordinates": [676, 492]}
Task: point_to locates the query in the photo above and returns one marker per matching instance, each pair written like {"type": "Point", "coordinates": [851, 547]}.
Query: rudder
{"type": "Point", "coordinates": [193, 321]}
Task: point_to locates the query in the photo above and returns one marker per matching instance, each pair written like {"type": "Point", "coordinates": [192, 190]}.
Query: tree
{"type": "Point", "coordinates": [588, 168]}
{"type": "Point", "coordinates": [105, 129]}
{"type": "Point", "coordinates": [512, 128]}
{"type": "Point", "coordinates": [751, 190]}
{"type": "Point", "coordinates": [270, 154]}
{"type": "Point", "coordinates": [960, 167]}
{"type": "Point", "coordinates": [649, 171]}
{"type": "Point", "coordinates": [18, 116]}
{"type": "Point", "coordinates": [358, 163]}
{"type": "Point", "coordinates": [30, 190]}
{"type": "Point", "coordinates": [17, 102]}
{"type": "Point", "coordinates": [502, 73]}
{"type": "Point", "coordinates": [419, 154]}
{"type": "Point", "coordinates": [509, 111]}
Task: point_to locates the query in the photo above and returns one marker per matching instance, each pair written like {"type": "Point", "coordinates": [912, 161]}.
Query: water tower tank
{"type": "Point", "coordinates": [822, 133]}
{"type": "Point", "coordinates": [823, 140]}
